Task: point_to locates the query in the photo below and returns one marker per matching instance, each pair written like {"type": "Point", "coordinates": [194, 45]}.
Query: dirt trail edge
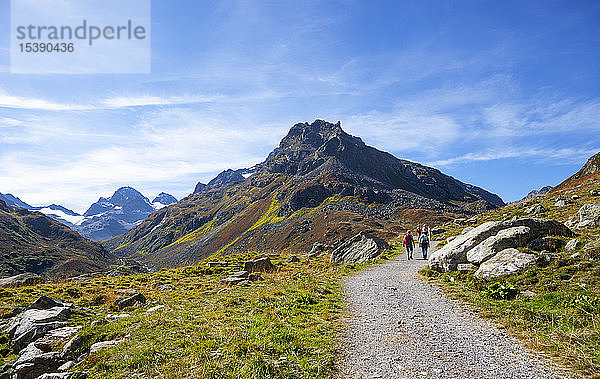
{"type": "Point", "coordinates": [399, 326]}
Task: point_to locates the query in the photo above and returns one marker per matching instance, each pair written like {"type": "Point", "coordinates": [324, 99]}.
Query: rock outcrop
{"type": "Point", "coordinates": [262, 264]}
{"type": "Point", "coordinates": [506, 262]}
{"type": "Point", "coordinates": [358, 249]}
{"type": "Point", "coordinates": [25, 279]}
{"type": "Point", "coordinates": [33, 332]}
{"type": "Point", "coordinates": [506, 238]}
{"type": "Point", "coordinates": [589, 216]}
{"type": "Point", "coordinates": [486, 240]}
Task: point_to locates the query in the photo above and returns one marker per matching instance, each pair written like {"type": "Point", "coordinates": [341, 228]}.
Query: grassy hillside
{"type": "Point", "coordinates": [270, 213]}
{"type": "Point", "coordinates": [554, 306]}
{"type": "Point", "coordinates": [282, 326]}
{"type": "Point", "coordinates": [33, 242]}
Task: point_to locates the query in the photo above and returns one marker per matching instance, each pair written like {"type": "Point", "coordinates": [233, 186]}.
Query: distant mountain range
{"type": "Point", "coordinates": [536, 193]}
{"type": "Point", "coordinates": [32, 242]}
{"type": "Point", "coordinates": [319, 185]}
{"type": "Point", "coordinates": [107, 217]}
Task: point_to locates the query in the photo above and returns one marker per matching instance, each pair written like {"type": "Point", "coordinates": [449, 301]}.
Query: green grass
{"type": "Point", "coordinates": [562, 318]}
{"type": "Point", "coordinates": [284, 326]}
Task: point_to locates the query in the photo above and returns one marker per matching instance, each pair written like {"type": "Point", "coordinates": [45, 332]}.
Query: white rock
{"type": "Point", "coordinates": [506, 262]}
{"type": "Point", "coordinates": [105, 344]}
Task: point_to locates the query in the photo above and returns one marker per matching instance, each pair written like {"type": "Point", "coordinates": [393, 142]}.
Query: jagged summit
{"type": "Point", "coordinates": [322, 148]}
{"type": "Point", "coordinates": [163, 199]}
{"type": "Point", "coordinates": [314, 135]}
{"type": "Point", "coordinates": [320, 184]}
{"type": "Point", "coordinates": [592, 166]}
{"type": "Point", "coordinates": [126, 199]}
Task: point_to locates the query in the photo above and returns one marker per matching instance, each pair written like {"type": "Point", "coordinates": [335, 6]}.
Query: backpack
{"type": "Point", "coordinates": [408, 239]}
{"type": "Point", "coordinates": [424, 240]}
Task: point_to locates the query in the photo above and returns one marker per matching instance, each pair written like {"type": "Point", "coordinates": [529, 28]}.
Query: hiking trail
{"type": "Point", "coordinates": [400, 326]}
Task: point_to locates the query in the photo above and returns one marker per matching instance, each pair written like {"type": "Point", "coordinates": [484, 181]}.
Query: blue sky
{"type": "Point", "coordinates": [501, 94]}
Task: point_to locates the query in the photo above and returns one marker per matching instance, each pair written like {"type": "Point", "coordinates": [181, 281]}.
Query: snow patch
{"type": "Point", "coordinates": [56, 213]}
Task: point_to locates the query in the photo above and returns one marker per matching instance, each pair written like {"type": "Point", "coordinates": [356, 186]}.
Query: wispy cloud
{"type": "Point", "coordinates": [7, 122]}
{"type": "Point", "coordinates": [552, 156]}
{"type": "Point", "coordinates": [146, 100]}
{"type": "Point", "coordinates": [18, 102]}
{"type": "Point", "coordinates": [34, 103]}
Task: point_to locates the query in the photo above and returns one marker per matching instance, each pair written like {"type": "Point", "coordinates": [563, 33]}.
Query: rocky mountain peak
{"type": "Point", "coordinates": [125, 195]}
{"type": "Point", "coordinates": [164, 199]}
{"type": "Point", "coordinates": [305, 136]}
{"type": "Point", "coordinates": [592, 166]}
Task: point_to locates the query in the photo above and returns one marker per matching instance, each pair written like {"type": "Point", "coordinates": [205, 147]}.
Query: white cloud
{"type": "Point", "coordinates": [7, 122]}
{"type": "Point", "coordinates": [169, 150]}
{"type": "Point", "coordinates": [33, 103]}
{"type": "Point", "coordinates": [404, 130]}
{"type": "Point", "coordinates": [146, 100]}
{"type": "Point", "coordinates": [18, 102]}
{"type": "Point", "coordinates": [553, 156]}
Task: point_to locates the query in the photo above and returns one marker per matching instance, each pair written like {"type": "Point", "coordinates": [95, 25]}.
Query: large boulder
{"type": "Point", "coordinates": [589, 215]}
{"type": "Point", "coordinates": [129, 301]}
{"type": "Point", "coordinates": [511, 237]}
{"type": "Point", "coordinates": [448, 257]}
{"type": "Point", "coordinates": [506, 262]}
{"type": "Point", "coordinates": [25, 279]}
{"type": "Point", "coordinates": [33, 362]}
{"type": "Point", "coordinates": [455, 252]}
{"type": "Point", "coordinates": [358, 249]}
{"type": "Point", "coordinates": [262, 264]}
{"type": "Point", "coordinates": [592, 249]}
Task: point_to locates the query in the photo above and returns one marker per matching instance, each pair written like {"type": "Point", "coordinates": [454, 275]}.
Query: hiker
{"type": "Point", "coordinates": [418, 230]}
{"type": "Point", "coordinates": [427, 231]}
{"type": "Point", "coordinates": [409, 244]}
{"type": "Point", "coordinates": [424, 243]}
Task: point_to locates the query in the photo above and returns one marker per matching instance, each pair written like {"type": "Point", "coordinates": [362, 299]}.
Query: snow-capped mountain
{"type": "Point", "coordinates": [163, 200]}
{"type": "Point", "coordinates": [106, 218]}
{"type": "Point", "coordinates": [57, 212]}
{"type": "Point", "coordinates": [125, 209]}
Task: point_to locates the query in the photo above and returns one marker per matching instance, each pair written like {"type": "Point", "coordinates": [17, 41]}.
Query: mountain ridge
{"type": "Point", "coordinates": [320, 184]}
{"type": "Point", "coordinates": [34, 242]}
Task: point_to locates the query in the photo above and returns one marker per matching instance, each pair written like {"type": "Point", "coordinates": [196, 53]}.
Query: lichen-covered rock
{"type": "Point", "coordinates": [129, 301]}
{"type": "Point", "coordinates": [358, 249]}
{"type": "Point", "coordinates": [511, 237]}
{"type": "Point", "coordinates": [25, 279]}
{"type": "Point", "coordinates": [262, 264]}
{"type": "Point", "coordinates": [455, 252]}
{"type": "Point", "coordinates": [104, 345]}
{"type": "Point", "coordinates": [33, 362]}
{"type": "Point", "coordinates": [506, 262]}
{"type": "Point", "coordinates": [572, 244]}
{"type": "Point", "coordinates": [589, 215]}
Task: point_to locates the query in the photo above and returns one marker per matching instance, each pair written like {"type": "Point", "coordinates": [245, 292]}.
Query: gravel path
{"type": "Point", "coordinates": [399, 326]}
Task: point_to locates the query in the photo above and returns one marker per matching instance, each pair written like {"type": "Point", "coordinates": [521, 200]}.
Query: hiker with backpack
{"type": "Point", "coordinates": [424, 243]}
{"type": "Point", "coordinates": [409, 244]}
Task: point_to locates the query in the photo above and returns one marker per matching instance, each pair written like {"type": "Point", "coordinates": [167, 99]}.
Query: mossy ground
{"type": "Point", "coordinates": [284, 326]}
